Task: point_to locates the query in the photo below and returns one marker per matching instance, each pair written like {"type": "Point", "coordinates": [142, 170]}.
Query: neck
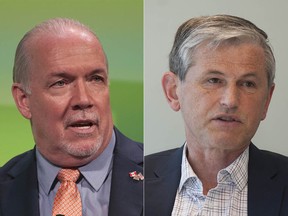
{"type": "Point", "coordinates": [207, 162]}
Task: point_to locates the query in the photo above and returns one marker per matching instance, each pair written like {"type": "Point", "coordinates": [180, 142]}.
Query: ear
{"type": "Point", "coordinates": [271, 90]}
{"type": "Point", "coordinates": [21, 99]}
{"type": "Point", "coordinates": [169, 85]}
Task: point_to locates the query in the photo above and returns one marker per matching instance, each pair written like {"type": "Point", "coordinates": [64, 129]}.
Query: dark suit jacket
{"type": "Point", "coordinates": [19, 185]}
{"type": "Point", "coordinates": [267, 182]}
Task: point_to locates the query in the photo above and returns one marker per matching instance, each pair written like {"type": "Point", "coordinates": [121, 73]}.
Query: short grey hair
{"type": "Point", "coordinates": [215, 31]}
{"type": "Point", "coordinates": [55, 26]}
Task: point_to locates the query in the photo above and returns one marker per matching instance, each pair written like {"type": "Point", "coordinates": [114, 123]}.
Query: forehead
{"type": "Point", "coordinates": [244, 56]}
{"type": "Point", "coordinates": [70, 39]}
{"type": "Point", "coordinates": [74, 49]}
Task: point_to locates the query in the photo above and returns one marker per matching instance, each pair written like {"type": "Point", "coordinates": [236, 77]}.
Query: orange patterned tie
{"type": "Point", "coordinates": [67, 200]}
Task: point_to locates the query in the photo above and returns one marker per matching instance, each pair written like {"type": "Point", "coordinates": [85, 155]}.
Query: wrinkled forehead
{"type": "Point", "coordinates": [209, 46]}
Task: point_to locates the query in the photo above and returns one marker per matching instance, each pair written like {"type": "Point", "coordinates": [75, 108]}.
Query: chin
{"type": "Point", "coordinates": [222, 142]}
{"type": "Point", "coordinates": [84, 149]}
{"type": "Point", "coordinates": [82, 153]}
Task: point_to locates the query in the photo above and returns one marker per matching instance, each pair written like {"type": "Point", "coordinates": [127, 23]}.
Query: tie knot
{"type": "Point", "coordinates": [68, 175]}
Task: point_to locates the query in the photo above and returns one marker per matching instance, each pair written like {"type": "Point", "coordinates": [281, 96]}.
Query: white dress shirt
{"type": "Point", "coordinates": [228, 198]}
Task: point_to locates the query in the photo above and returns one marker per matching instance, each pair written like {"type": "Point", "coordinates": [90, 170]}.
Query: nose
{"type": "Point", "coordinates": [230, 97]}
{"type": "Point", "coordinates": [81, 96]}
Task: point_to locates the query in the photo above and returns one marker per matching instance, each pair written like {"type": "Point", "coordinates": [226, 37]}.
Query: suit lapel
{"type": "Point", "coordinates": [265, 187]}
{"type": "Point", "coordinates": [20, 194]}
{"type": "Point", "coordinates": [160, 191]}
{"type": "Point", "coordinates": [126, 197]}
{"type": "Point", "coordinates": [126, 193]}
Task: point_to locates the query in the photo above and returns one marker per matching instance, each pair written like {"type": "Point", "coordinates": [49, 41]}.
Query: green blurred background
{"type": "Point", "coordinates": [118, 24]}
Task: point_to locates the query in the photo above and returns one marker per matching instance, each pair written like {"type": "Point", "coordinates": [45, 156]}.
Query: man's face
{"type": "Point", "coordinates": [224, 97]}
{"type": "Point", "coordinates": [69, 104]}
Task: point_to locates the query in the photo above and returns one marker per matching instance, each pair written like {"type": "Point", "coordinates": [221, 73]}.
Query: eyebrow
{"type": "Point", "coordinates": [250, 74]}
{"type": "Point", "coordinates": [215, 72]}
{"type": "Point", "coordinates": [98, 71]}
{"type": "Point", "coordinates": [59, 74]}
{"type": "Point", "coordinates": [69, 75]}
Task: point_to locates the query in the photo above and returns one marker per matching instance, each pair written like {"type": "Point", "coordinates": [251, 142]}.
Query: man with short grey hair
{"type": "Point", "coordinates": [221, 78]}
{"type": "Point", "coordinates": [81, 163]}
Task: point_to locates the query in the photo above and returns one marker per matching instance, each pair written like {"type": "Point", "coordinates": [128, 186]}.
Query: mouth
{"type": "Point", "coordinates": [227, 119]}
{"type": "Point", "coordinates": [85, 126]}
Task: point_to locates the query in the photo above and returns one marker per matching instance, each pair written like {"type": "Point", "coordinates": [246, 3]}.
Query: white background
{"type": "Point", "coordinates": [163, 128]}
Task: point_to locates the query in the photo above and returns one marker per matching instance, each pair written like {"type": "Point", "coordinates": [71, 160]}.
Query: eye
{"type": "Point", "coordinates": [214, 80]}
{"type": "Point", "coordinates": [59, 83]}
{"type": "Point", "coordinates": [249, 84]}
{"type": "Point", "coordinates": [97, 78]}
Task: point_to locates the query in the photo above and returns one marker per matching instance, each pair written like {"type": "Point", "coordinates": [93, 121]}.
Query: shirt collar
{"type": "Point", "coordinates": [100, 167]}
{"type": "Point", "coordinates": [46, 172]}
{"type": "Point", "coordinates": [237, 172]}
{"type": "Point", "coordinates": [187, 171]}
{"type": "Point", "coordinates": [96, 171]}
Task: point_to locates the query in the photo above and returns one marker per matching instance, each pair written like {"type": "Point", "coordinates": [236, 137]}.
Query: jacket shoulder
{"type": "Point", "coordinates": [21, 160]}
{"type": "Point", "coordinates": [163, 155]}
{"type": "Point", "coordinates": [128, 148]}
{"type": "Point", "coordinates": [158, 159]}
{"type": "Point", "coordinates": [275, 156]}
{"type": "Point", "coordinates": [275, 159]}
{"type": "Point", "coordinates": [268, 157]}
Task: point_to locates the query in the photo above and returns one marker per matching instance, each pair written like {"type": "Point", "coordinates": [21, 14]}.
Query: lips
{"type": "Point", "coordinates": [82, 126]}
{"type": "Point", "coordinates": [227, 118]}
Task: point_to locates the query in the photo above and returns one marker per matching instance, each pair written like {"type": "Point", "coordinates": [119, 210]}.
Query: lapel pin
{"type": "Point", "coordinates": [136, 176]}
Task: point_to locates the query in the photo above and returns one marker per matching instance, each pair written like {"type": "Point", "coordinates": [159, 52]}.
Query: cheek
{"type": "Point", "coordinates": [192, 106]}
{"type": "Point", "coordinates": [264, 109]}
{"type": "Point", "coordinates": [255, 110]}
{"type": "Point", "coordinates": [200, 101]}
{"type": "Point", "coordinates": [103, 101]}
{"type": "Point", "coordinates": [46, 109]}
